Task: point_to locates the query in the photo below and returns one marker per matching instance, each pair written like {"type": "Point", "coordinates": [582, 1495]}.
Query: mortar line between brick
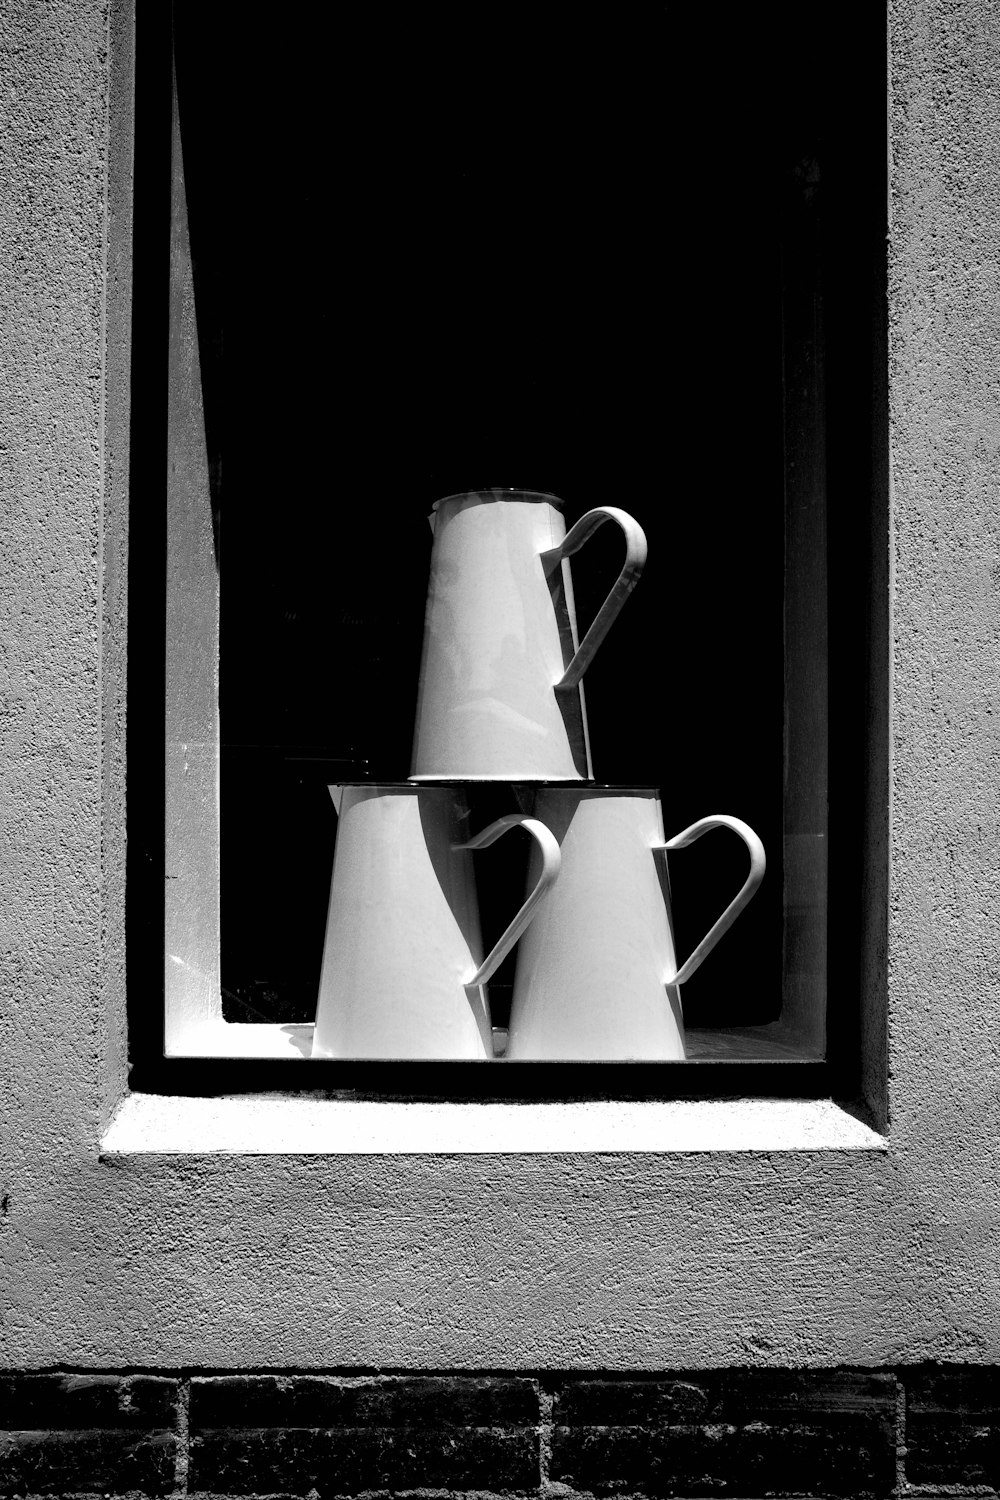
{"type": "Point", "coordinates": [546, 1405]}
{"type": "Point", "coordinates": [901, 1485]}
{"type": "Point", "coordinates": [182, 1458]}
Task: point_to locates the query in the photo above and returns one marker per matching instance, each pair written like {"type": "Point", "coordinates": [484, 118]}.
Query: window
{"type": "Point", "coordinates": [565, 267]}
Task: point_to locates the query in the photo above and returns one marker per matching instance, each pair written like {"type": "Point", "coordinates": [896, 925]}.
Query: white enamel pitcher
{"type": "Point", "coordinates": [501, 697]}
{"type": "Point", "coordinates": [597, 976]}
{"type": "Point", "coordinates": [403, 974]}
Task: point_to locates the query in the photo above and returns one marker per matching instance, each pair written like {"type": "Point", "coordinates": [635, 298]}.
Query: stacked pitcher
{"type": "Point", "coordinates": [501, 701]}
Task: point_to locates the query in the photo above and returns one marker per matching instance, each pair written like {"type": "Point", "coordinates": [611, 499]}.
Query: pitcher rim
{"type": "Point", "coordinates": [490, 496]}
{"type": "Point", "coordinates": [604, 789]}
{"type": "Point", "coordinates": [534, 783]}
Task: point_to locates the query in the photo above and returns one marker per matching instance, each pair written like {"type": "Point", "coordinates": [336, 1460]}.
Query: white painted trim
{"type": "Point", "coordinates": [214, 1037]}
{"type": "Point", "coordinates": [153, 1124]}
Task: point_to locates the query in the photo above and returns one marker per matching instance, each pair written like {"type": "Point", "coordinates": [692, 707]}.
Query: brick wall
{"type": "Point", "coordinates": [920, 1431]}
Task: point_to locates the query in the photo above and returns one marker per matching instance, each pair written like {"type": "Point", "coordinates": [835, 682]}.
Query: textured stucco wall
{"type": "Point", "coordinates": [113, 1041]}
{"type": "Point", "coordinates": [580, 1260]}
{"type": "Point", "coordinates": [944, 311]}
{"type": "Point", "coordinates": [944, 297]}
{"type": "Point", "coordinates": [61, 857]}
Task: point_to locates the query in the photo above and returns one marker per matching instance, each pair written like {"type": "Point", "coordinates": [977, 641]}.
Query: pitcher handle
{"type": "Point", "coordinates": [551, 859]}
{"type": "Point", "coordinates": [635, 557]}
{"type": "Point", "coordinates": [758, 863]}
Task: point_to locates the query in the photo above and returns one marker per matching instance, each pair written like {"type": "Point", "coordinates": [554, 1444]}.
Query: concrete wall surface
{"type": "Point", "coordinates": [807, 1253]}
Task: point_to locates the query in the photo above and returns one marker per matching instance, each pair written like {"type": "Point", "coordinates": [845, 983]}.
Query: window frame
{"type": "Point", "coordinates": [244, 1055]}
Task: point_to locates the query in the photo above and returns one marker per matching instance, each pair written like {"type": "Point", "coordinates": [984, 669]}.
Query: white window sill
{"type": "Point", "coordinates": [152, 1124]}
{"type": "Point", "coordinates": [234, 1039]}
